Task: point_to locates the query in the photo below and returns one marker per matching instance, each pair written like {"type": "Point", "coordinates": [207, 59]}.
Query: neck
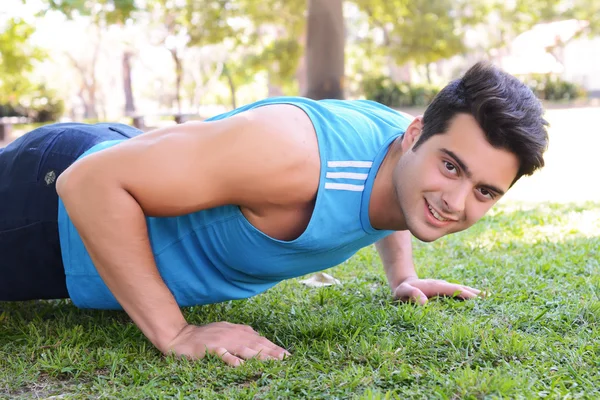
{"type": "Point", "coordinates": [384, 211]}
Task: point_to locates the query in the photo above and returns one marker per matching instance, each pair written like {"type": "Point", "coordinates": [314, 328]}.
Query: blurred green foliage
{"type": "Point", "coordinates": [279, 57]}
{"type": "Point", "coordinates": [19, 95]}
{"type": "Point", "coordinates": [102, 11]}
{"type": "Point", "coordinates": [401, 94]}
{"type": "Point", "coordinates": [398, 94]}
{"type": "Point", "coordinates": [266, 37]}
{"type": "Point", "coordinates": [553, 88]}
{"type": "Point", "coordinates": [39, 104]}
{"type": "Point", "coordinates": [17, 60]}
{"type": "Point", "coordinates": [422, 31]}
{"type": "Point", "coordinates": [44, 105]}
{"type": "Point", "coordinates": [252, 46]}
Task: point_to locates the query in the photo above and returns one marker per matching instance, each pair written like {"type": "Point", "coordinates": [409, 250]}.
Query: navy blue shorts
{"type": "Point", "coordinates": [30, 259]}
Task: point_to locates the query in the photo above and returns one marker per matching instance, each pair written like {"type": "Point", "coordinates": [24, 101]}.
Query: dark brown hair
{"type": "Point", "coordinates": [505, 109]}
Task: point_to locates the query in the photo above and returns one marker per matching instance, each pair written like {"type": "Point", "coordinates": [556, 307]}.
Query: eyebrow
{"type": "Point", "coordinates": [467, 171]}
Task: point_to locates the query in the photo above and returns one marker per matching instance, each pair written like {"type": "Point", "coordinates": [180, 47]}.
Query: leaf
{"type": "Point", "coordinates": [320, 279]}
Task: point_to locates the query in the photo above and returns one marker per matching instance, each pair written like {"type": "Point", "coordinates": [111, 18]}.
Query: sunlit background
{"type": "Point", "coordinates": [154, 62]}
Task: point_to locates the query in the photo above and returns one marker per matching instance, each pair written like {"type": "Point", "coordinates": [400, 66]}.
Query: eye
{"type": "Point", "coordinates": [451, 168]}
{"type": "Point", "coordinates": [486, 194]}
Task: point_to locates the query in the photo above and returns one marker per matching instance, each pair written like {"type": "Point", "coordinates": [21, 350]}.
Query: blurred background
{"type": "Point", "coordinates": [151, 63]}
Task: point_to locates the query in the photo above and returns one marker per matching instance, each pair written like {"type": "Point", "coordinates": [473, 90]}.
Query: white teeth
{"type": "Point", "coordinates": [436, 215]}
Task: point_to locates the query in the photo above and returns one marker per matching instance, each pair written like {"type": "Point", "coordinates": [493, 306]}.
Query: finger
{"type": "Point", "coordinates": [472, 290]}
{"type": "Point", "coordinates": [457, 291]}
{"type": "Point", "coordinates": [247, 353]}
{"type": "Point", "coordinates": [246, 328]}
{"type": "Point", "coordinates": [464, 294]}
{"type": "Point", "coordinates": [440, 282]}
{"type": "Point", "coordinates": [228, 357]}
{"type": "Point", "coordinates": [443, 288]}
{"type": "Point", "coordinates": [279, 350]}
{"type": "Point", "coordinates": [406, 292]}
{"type": "Point", "coordinates": [260, 353]}
{"type": "Point", "coordinates": [418, 297]}
{"type": "Point", "coordinates": [270, 351]}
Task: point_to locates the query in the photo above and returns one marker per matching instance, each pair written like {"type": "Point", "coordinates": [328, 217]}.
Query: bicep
{"type": "Point", "coordinates": [167, 175]}
{"type": "Point", "coordinates": [201, 165]}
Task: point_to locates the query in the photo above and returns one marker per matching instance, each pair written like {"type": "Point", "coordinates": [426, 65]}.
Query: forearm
{"type": "Point", "coordinates": [113, 228]}
{"type": "Point", "coordinates": [396, 255]}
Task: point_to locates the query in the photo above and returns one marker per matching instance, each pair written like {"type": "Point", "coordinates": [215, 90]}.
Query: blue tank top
{"type": "Point", "coordinates": [216, 255]}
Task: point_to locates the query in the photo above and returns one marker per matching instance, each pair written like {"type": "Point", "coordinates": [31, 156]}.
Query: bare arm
{"type": "Point", "coordinates": [172, 172]}
{"type": "Point", "coordinates": [113, 228]}
{"type": "Point", "coordinates": [396, 254]}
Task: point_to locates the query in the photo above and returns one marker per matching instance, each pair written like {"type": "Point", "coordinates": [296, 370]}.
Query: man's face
{"type": "Point", "coordinates": [451, 180]}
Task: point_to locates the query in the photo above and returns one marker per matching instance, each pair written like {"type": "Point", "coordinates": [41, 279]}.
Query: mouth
{"type": "Point", "coordinates": [435, 216]}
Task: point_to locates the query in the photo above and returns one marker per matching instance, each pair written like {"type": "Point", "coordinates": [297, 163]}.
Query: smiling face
{"type": "Point", "coordinates": [451, 180]}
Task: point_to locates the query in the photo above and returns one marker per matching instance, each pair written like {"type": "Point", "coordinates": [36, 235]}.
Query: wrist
{"type": "Point", "coordinates": [165, 340]}
{"type": "Point", "coordinates": [406, 278]}
{"type": "Point", "coordinates": [162, 334]}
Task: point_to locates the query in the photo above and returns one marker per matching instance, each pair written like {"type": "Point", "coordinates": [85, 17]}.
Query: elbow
{"type": "Point", "coordinates": [85, 185]}
{"type": "Point", "coordinates": [64, 183]}
{"type": "Point", "coordinates": [73, 181]}
{"type": "Point", "coordinates": [61, 184]}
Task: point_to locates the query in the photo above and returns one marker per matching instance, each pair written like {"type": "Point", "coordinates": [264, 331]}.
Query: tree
{"type": "Point", "coordinates": [208, 22]}
{"type": "Point", "coordinates": [19, 94]}
{"type": "Point", "coordinates": [325, 39]}
{"type": "Point", "coordinates": [521, 15]}
{"type": "Point", "coordinates": [588, 11]}
{"type": "Point", "coordinates": [85, 65]}
{"type": "Point", "coordinates": [513, 18]}
{"type": "Point", "coordinates": [273, 32]}
{"type": "Point", "coordinates": [198, 23]}
{"type": "Point", "coordinates": [17, 59]}
{"type": "Point", "coordinates": [127, 83]}
{"type": "Point", "coordinates": [420, 31]}
{"type": "Point", "coordinates": [259, 36]}
{"type": "Point", "coordinates": [102, 13]}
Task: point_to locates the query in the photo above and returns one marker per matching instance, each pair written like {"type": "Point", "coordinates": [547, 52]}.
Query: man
{"type": "Point", "coordinates": [211, 211]}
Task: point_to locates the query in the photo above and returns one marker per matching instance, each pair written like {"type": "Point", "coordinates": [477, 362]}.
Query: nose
{"type": "Point", "coordinates": [455, 198]}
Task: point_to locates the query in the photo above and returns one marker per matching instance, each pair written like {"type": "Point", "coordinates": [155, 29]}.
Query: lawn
{"type": "Point", "coordinates": [536, 335]}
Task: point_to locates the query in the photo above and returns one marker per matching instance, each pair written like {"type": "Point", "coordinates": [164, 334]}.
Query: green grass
{"type": "Point", "coordinates": [536, 335]}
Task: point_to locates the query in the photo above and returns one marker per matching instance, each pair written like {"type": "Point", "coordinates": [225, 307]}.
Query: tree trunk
{"type": "Point", "coordinates": [88, 110]}
{"type": "Point", "coordinates": [178, 78]}
{"type": "Point", "coordinates": [273, 90]}
{"type": "Point", "coordinates": [231, 86]}
{"type": "Point", "coordinates": [92, 84]}
{"type": "Point", "coordinates": [428, 72]}
{"type": "Point", "coordinates": [87, 87]}
{"type": "Point", "coordinates": [201, 85]}
{"type": "Point", "coordinates": [325, 50]}
{"type": "Point", "coordinates": [127, 86]}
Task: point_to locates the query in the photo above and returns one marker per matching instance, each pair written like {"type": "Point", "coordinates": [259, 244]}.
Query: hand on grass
{"type": "Point", "coordinates": [420, 290]}
{"type": "Point", "coordinates": [233, 343]}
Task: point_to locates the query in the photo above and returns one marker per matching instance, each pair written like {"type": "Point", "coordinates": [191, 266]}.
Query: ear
{"type": "Point", "coordinates": [412, 134]}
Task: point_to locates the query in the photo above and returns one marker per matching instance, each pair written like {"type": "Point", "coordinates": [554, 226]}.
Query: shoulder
{"type": "Point", "coordinates": [271, 155]}
{"type": "Point", "coordinates": [285, 156]}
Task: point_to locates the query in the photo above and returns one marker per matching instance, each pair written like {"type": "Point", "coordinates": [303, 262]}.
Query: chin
{"type": "Point", "coordinates": [426, 239]}
{"type": "Point", "coordinates": [425, 235]}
